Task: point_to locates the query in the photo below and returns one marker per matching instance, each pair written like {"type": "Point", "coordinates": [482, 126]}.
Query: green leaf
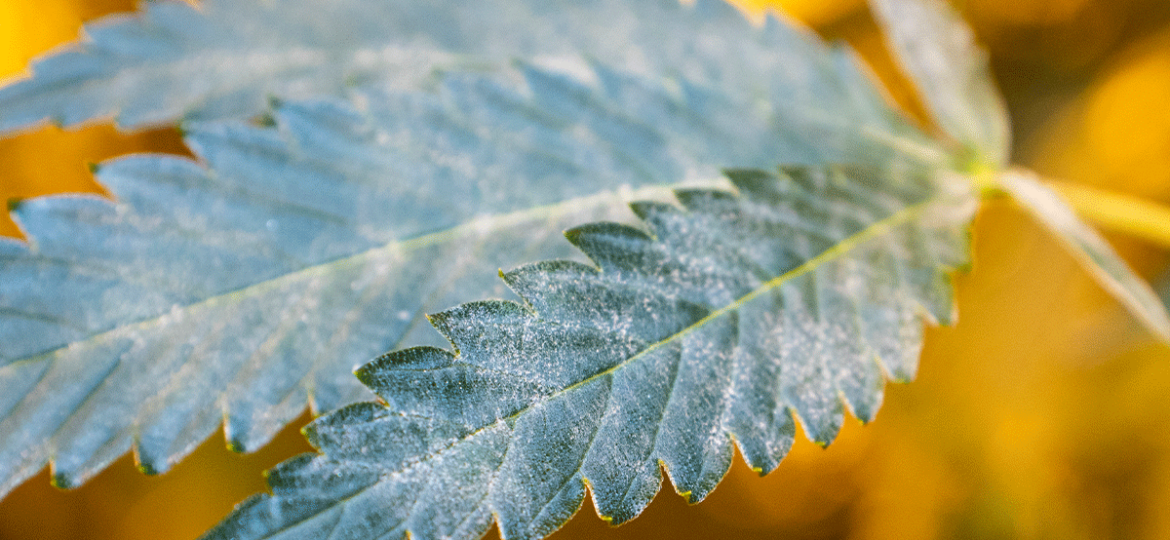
{"type": "Point", "coordinates": [226, 58]}
{"type": "Point", "coordinates": [730, 315]}
{"type": "Point", "coordinates": [939, 53]}
{"type": "Point", "coordinates": [1089, 248]}
{"type": "Point", "coordinates": [242, 287]}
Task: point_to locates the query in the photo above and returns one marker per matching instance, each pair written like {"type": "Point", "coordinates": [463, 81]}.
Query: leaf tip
{"type": "Point", "coordinates": [62, 481]}
{"type": "Point", "coordinates": [363, 374]}
{"type": "Point", "coordinates": [572, 234]}
{"type": "Point", "coordinates": [750, 180]}
{"type": "Point", "coordinates": [142, 462]}
{"type": "Point", "coordinates": [236, 446]}
{"type": "Point", "coordinates": [738, 173]}
{"type": "Point", "coordinates": [646, 209]}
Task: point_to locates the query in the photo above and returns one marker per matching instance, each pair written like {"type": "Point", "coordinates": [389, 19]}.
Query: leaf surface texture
{"type": "Point", "coordinates": [224, 58]}
{"type": "Point", "coordinates": [240, 287]}
{"type": "Point", "coordinates": [724, 319]}
{"type": "Point", "coordinates": [939, 53]}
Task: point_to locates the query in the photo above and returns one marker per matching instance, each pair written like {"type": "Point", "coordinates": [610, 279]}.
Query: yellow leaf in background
{"type": "Point", "coordinates": [1027, 12]}
{"type": "Point", "coordinates": [1127, 122]}
{"type": "Point", "coordinates": [1117, 135]}
{"type": "Point", "coordinates": [28, 29]}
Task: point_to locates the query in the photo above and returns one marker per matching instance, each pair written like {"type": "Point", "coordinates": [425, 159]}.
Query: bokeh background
{"type": "Point", "coordinates": [1042, 414]}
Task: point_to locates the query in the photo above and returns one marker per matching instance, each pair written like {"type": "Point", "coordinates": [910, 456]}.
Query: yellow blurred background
{"type": "Point", "coordinates": [1043, 414]}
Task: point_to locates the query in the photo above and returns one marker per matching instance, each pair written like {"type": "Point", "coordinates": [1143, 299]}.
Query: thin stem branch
{"type": "Point", "coordinates": [1118, 212]}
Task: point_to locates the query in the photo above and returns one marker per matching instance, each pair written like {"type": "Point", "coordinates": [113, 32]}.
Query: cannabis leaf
{"type": "Point", "coordinates": [951, 71]}
{"type": "Point", "coordinates": [939, 53]}
{"type": "Point", "coordinates": [242, 286]}
{"type": "Point", "coordinates": [722, 324]}
{"type": "Point", "coordinates": [237, 289]}
{"type": "Point", "coordinates": [727, 318]}
{"type": "Point", "coordinates": [224, 58]}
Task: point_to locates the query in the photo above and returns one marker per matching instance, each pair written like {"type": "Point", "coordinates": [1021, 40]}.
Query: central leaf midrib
{"type": "Point", "coordinates": [841, 249]}
{"type": "Point", "coordinates": [475, 226]}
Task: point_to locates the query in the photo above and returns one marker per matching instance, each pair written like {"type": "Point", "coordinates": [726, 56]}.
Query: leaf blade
{"type": "Point", "coordinates": [939, 53]}
{"type": "Point", "coordinates": [678, 360]}
{"type": "Point", "coordinates": [187, 267]}
{"type": "Point", "coordinates": [245, 53]}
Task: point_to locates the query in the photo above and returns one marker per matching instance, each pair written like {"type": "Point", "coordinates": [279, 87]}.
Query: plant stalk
{"type": "Point", "coordinates": [1118, 212]}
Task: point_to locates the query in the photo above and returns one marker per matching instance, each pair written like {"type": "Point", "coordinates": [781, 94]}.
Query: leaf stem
{"type": "Point", "coordinates": [1118, 212]}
